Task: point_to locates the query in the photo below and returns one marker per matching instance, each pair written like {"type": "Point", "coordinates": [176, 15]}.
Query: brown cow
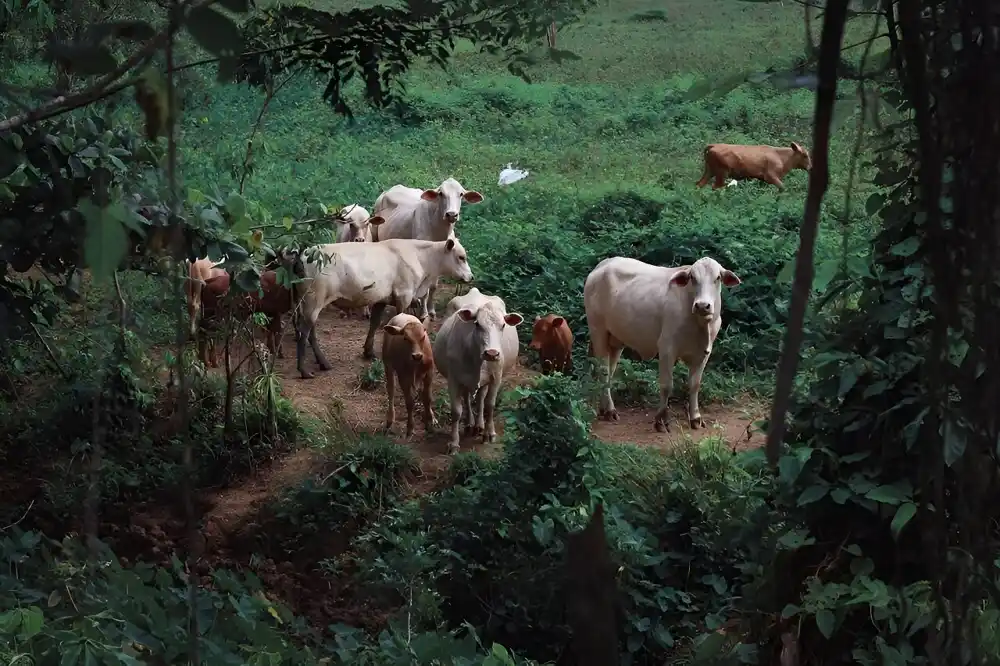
{"type": "Point", "coordinates": [767, 163]}
{"type": "Point", "coordinates": [213, 293]}
{"type": "Point", "coordinates": [199, 272]}
{"type": "Point", "coordinates": [407, 355]}
{"type": "Point", "coordinates": [553, 341]}
{"type": "Point", "coordinates": [275, 302]}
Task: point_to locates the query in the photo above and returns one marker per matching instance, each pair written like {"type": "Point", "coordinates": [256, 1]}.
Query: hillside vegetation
{"type": "Point", "coordinates": [317, 538]}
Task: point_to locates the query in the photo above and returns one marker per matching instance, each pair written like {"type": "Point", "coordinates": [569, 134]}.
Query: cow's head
{"type": "Point", "coordinates": [455, 261]}
{"type": "Point", "coordinates": [449, 197]}
{"type": "Point", "coordinates": [802, 159]}
{"type": "Point", "coordinates": [486, 325]}
{"type": "Point", "coordinates": [414, 333]}
{"type": "Point", "coordinates": [704, 279]}
{"type": "Point", "coordinates": [353, 222]}
{"type": "Point", "coordinates": [544, 331]}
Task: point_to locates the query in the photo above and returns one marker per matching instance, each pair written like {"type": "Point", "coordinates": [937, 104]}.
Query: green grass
{"type": "Point", "coordinates": [603, 136]}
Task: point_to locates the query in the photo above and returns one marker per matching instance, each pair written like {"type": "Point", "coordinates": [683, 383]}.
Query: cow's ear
{"type": "Point", "coordinates": [376, 220]}
{"type": "Point", "coordinates": [465, 314]}
{"type": "Point", "coordinates": [730, 279]}
{"type": "Point", "coordinates": [513, 319]}
{"type": "Point", "coordinates": [472, 197]}
{"type": "Point", "coordinates": [450, 244]}
{"type": "Point", "coordinates": [796, 147]}
{"type": "Point", "coordinates": [558, 321]}
{"type": "Point", "coordinates": [392, 329]}
{"type": "Point", "coordinates": [429, 195]}
{"type": "Point", "coordinates": [681, 278]}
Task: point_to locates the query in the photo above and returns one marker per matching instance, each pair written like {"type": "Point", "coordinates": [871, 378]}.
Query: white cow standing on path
{"type": "Point", "coordinates": [410, 212]}
{"type": "Point", "coordinates": [375, 274]}
{"type": "Point", "coordinates": [476, 345]}
{"type": "Point", "coordinates": [674, 312]}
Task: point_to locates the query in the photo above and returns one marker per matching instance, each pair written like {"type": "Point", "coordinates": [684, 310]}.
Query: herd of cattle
{"type": "Point", "coordinates": [396, 255]}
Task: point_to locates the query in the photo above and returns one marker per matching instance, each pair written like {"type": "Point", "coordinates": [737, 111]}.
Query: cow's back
{"type": "Point", "coordinates": [627, 298]}
{"type": "Point", "coordinates": [402, 209]}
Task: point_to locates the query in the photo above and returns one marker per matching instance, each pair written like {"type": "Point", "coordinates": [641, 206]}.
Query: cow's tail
{"type": "Point", "coordinates": [706, 173]}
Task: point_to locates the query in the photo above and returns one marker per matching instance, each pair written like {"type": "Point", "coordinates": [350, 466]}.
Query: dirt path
{"type": "Point", "coordinates": [338, 394]}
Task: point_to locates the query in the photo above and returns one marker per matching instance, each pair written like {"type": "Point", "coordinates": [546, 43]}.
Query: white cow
{"type": "Point", "coordinates": [375, 274]}
{"type": "Point", "coordinates": [354, 226]}
{"type": "Point", "coordinates": [671, 312]}
{"type": "Point", "coordinates": [476, 345]}
{"type": "Point", "coordinates": [410, 212]}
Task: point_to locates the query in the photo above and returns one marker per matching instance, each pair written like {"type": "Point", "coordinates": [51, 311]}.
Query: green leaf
{"type": "Point", "coordinates": [903, 515]}
{"type": "Point", "coordinates": [906, 247]}
{"type": "Point", "coordinates": [825, 272]}
{"type": "Point", "coordinates": [10, 159]}
{"type": "Point", "coordinates": [710, 646]}
{"type": "Point", "coordinates": [875, 203]}
{"type": "Point", "coordinates": [840, 494]}
{"type": "Point", "coordinates": [825, 621]}
{"type": "Point", "coordinates": [32, 620]}
{"type": "Point", "coordinates": [71, 654]}
{"type": "Point", "coordinates": [238, 6]}
{"type": "Point", "coordinates": [214, 32]}
{"type": "Point", "coordinates": [849, 377]}
{"type": "Point", "coordinates": [813, 494]}
{"type": "Point", "coordinates": [892, 495]}
{"type": "Point", "coordinates": [106, 241]}
{"type": "Point", "coordinates": [789, 610]}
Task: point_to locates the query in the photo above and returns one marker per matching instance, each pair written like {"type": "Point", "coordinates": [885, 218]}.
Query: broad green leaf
{"type": "Point", "coordinates": [825, 622]}
{"type": "Point", "coordinates": [214, 32]}
{"type": "Point", "coordinates": [813, 494]}
{"type": "Point", "coordinates": [840, 494]}
{"type": "Point", "coordinates": [32, 620]}
{"type": "Point", "coordinates": [887, 495]}
{"type": "Point", "coordinates": [710, 646]}
{"type": "Point", "coordinates": [789, 610]}
{"type": "Point", "coordinates": [106, 241]}
{"type": "Point", "coordinates": [903, 515]}
{"type": "Point", "coordinates": [875, 203]}
{"type": "Point", "coordinates": [9, 159]}
{"type": "Point", "coordinates": [906, 247]}
{"type": "Point", "coordinates": [71, 654]}
{"type": "Point", "coordinates": [825, 272]}
{"type": "Point", "coordinates": [849, 377]}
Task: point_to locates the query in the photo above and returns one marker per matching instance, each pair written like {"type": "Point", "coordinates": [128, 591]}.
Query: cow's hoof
{"type": "Point", "coordinates": [325, 367]}
{"type": "Point", "coordinates": [488, 438]}
{"type": "Point", "coordinates": [661, 427]}
{"type": "Point", "coordinates": [610, 415]}
{"type": "Point", "coordinates": [307, 375]}
{"type": "Point", "coordinates": [697, 422]}
{"type": "Point", "coordinates": [453, 449]}
{"type": "Point", "coordinates": [368, 355]}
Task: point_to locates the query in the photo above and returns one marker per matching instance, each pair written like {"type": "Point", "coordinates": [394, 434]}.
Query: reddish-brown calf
{"type": "Point", "coordinates": [275, 302]}
{"type": "Point", "coordinates": [212, 294]}
{"type": "Point", "coordinates": [408, 356]}
{"type": "Point", "coordinates": [553, 341]}
{"type": "Point", "coordinates": [767, 163]}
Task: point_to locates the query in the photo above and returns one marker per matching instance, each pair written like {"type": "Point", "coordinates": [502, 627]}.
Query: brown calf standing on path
{"type": "Point", "coordinates": [275, 302]}
{"type": "Point", "coordinates": [553, 341]}
{"type": "Point", "coordinates": [407, 355]}
{"type": "Point", "coordinates": [767, 163]}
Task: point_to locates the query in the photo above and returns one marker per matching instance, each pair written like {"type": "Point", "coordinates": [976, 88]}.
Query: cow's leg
{"type": "Point", "coordinates": [470, 420]}
{"type": "Point", "coordinates": [667, 360]}
{"type": "Point", "coordinates": [490, 431]}
{"type": "Point", "coordinates": [774, 180]}
{"type": "Point", "coordinates": [458, 398]}
{"type": "Point", "coordinates": [430, 420]}
{"type": "Point", "coordinates": [697, 369]}
{"type": "Point", "coordinates": [429, 306]}
{"type": "Point", "coordinates": [482, 396]}
{"type": "Point", "coordinates": [607, 355]}
{"type": "Point", "coordinates": [306, 329]}
{"type": "Point", "coordinates": [369, 349]}
{"type": "Point", "coordinates": [390, 392]}
{"type": "Point", "coordinates": [408, 398]}
{"type": "Point", "coordinates": [705, 177]}
{"type": "Point", "coordinates": [720, 180]}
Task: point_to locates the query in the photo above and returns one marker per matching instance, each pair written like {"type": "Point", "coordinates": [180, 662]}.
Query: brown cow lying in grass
{"type": "Point", "coordinates": [767, 163]}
